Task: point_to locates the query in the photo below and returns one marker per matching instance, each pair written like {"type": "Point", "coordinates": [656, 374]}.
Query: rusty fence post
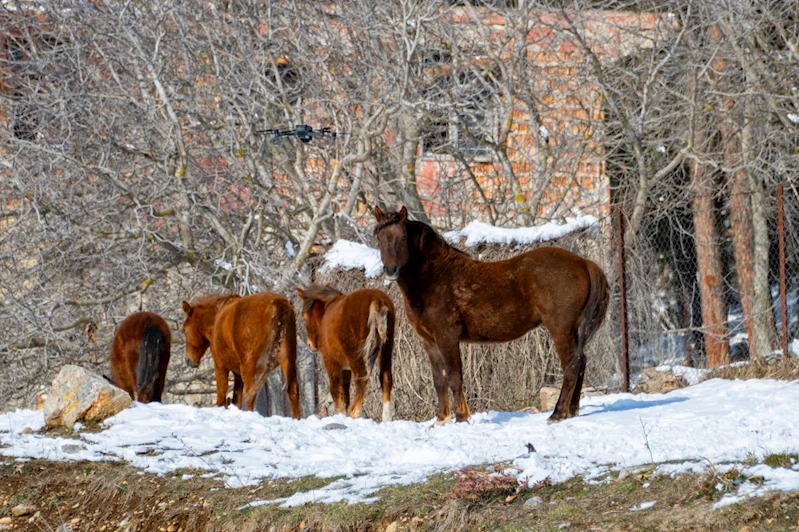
{"type": "Point", "coordinates": [783, 284]}
{"type": "Point", "coordinates": [625, 350]}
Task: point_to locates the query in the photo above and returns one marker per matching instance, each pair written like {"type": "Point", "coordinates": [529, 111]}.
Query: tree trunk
{"type": "Point", "coordinates": [711, 286]}
{"type": "Point", "coordinates": [741, 230]}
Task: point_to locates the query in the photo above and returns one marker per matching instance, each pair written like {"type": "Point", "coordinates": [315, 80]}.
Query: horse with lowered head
{"type": "Point", "coordinates": [352, 332]}
{"type": "Point", "coordinates": [452, 298]}
{"type": "Point", "coordinates": [248, 336]}
{"type": "Point", "coordinates": [140, 355]}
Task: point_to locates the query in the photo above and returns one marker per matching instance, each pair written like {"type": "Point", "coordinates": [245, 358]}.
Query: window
{"type": "Point", "coordinates": [461, 114]}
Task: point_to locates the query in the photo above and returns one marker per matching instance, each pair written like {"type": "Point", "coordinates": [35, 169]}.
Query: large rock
{"type": "Point", "coordinates": [655, 381]}
{"type": "Point", "coordinates": [80, 395]}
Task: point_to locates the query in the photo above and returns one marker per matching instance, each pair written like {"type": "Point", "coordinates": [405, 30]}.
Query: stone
{"type": "Point", "coordinates": [334, 426]}
{"type": "Point", "coordinates": [532, 502]}
{"type": "Point", "coordinates": [22, 509]}
{"type": "Point", "coordinates": [654, 381]}
{"type": "Point", "coordinates": [393, 527]}
{"type": "Point", "coordinates": [5, 520]}
{"type": "Point", "coordinates": [549, 397]}
{"type": "Point", "coordinates": [72, 448]}
{"type": "Point", "coordinates": [80, 395]}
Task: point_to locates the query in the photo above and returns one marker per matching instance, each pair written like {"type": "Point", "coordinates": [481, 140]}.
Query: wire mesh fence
{"type": "Point", "coordinates": [712, 301]}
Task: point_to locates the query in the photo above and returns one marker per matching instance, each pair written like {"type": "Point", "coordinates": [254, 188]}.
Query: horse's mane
{"type": "Point", "coordinates": [316, 292]}
{"type": "Point", "coordinates": [425, 237]}
{"type": "Point", "coordinates": [210, 300]}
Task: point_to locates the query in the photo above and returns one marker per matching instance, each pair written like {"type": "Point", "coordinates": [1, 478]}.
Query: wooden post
{"type": "Point", "coordinates": [625, 351]}
{"type": "Point", "coordinates": [783, 284]}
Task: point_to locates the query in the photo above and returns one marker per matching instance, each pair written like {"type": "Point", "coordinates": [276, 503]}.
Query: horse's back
{"type": "Point", "coordinates": [502, 300]}
{"type": "Point", "coordinates": [245, 325]}
{"type": "Point", "coordinates": [132, 328]}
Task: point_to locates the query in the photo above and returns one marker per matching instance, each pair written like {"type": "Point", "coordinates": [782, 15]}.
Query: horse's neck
{"type": "Point", "coordinates": [428, 269]}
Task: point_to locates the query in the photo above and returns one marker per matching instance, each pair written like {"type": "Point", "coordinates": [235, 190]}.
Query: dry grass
{"type": "Point", "coordinates": [496, 376]}
{"type": "Point", "coordinates": [783, 369]}
{"type": "Point", "coordinates": [101, 496]}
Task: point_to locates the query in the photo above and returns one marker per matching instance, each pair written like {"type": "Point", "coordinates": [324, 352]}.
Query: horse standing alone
{"type": "Point", "coordinates": [451, 298]}
{"type": "Point", "coordinates": [351, 331]}
{"type": "Point", "coordinates": [140, 355]}
{"type": "Point", "coordinates": [249, 336]}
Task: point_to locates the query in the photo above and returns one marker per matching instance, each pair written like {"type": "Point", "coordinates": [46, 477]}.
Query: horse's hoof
{"type": "Point", "coordinates": [441, 422]}
{"type": "Point", "coordinates": [461, 419]}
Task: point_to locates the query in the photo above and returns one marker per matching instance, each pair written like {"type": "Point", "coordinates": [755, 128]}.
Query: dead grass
{"type": "Point", "coordinates": [104, 495]}
{"type": "Point", "coordinates": [781, 370]}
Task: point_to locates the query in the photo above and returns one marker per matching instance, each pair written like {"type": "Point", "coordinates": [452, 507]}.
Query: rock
{"type": "Point", "coordinates": [532, 502]}
{"type": "Point", "coordinates": [172, 528]}
{"type": "Point", "coordinates": [22, 509]}
{"type": "Point", "coordinates": [75, 521]}
{"type": "Point", "coordinates": [34, 517]}
{"type": "Point", "coordinates": [549, 397]}
{"type": "Point", "coordinates": [5, 520]}
{"type": "Point", "coordinates": [393, 527]}
{"type": "Point", "coordinates": [27, 430]}
{"type": "Point", "coordinates": [72, 448]}
{"type": "Point", "coordinates": [334, 426]}
{"type": "Point", "coordinates": [654, 381]}
{"type": "Point", "coordinates": [63, 528]}
{"type": "Point", "coordinates": [80, 395]}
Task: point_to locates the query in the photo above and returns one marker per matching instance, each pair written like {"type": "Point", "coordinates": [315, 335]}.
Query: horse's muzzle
{"type": "Point", "coordinates": [392, 272]}
{"type": "Point", "coordinates": [191, 363]}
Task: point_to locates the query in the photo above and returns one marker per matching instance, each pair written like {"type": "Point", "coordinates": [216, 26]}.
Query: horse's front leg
{"type": "Point", "coordinates": [451, 354]}
{"type": "Point", "coordinates": [221, 385]}
{"type": "Point", "coordinates": [439, 381]}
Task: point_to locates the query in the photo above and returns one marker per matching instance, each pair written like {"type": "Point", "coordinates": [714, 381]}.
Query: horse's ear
{"type": "Point", "coordinates": [403, 214]}
{"type": "Point", "coordinates": [378, 214]}
{"type": "Point", "coordinates": [187, 308]}
{"type": "Point", "coordinates": [301, 292]}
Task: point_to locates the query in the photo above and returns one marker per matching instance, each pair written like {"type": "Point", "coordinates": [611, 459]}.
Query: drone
{"type": "Point", "coordinates": [303, 132]}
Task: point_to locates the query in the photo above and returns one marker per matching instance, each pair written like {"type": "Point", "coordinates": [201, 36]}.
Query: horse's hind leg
{"type": "Point", "coordinates": [575, 402]}
{"type": "Point", "coordinates": [221, 375]}
{"type": "Point", "coordinates": [361, 380]}
{"type": "Point", "coordinates": [238, 391]}
{"type": "Point", "coordinates": [571, 363]}
{"type": "Point", "coordinates": [386, 380]}
{"type": "Point", "coordinates": [346, 380]}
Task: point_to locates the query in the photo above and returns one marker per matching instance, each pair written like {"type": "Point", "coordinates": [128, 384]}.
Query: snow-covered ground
{"type": "Point", "coordinates": [716, 422]}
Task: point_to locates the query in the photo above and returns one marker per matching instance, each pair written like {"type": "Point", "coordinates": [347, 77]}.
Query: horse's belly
{"type": "Point", "coordinates": [499, 328]}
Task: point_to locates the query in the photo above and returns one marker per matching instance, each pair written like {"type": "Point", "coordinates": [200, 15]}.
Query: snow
{"type": "Point", "coordinates": [793, 118]}
{"type": "Point", "coordinates": [793, 347]}
{"type": "Point", "coordinates": [483, 233]}
{"type": "Point", "coordinates": [643, 506]}
{"type": "Point", "coordinates": [715, 422]}
{"type": "Point", "coordinates": [349, 255]}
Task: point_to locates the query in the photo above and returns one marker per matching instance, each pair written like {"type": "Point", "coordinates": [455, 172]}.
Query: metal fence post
{"type": "Point", "coordinates": [783, 284]}
{"type": "Point", "coordinates": [625, 352]}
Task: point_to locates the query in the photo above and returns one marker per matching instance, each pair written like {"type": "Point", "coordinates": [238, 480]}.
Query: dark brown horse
{"type": "Point", "coordinates": [351, 331]}
{"type": "Point", "coordinates": [452, 298]}
{"type": "Point", "coordinates": [140, 355]}
{"type": "Point", "coordinates": [249, 336]}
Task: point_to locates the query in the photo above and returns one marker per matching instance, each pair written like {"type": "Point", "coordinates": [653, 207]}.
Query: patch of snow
{"type": "Point", "coordinates": [349, 255]}
{"type": "Point", "coordinates": [290, 249]}
{"type": "Point", "coordinates": [793, 118]}
{"type": "Point", "coordinates": [793, 347]}
{"type": "Point", "coordinates": [483, 233]}
{"type": "Point", "coordinates": [691, 375]}
{"type": "Point", "coordinates": [687, 428]}
{"type": "Point", "coordinates": [643, 506]}
{"type": "Point", "coordinates": [773, 479]}
{"type": "Point", "coordinates": [661, 149]}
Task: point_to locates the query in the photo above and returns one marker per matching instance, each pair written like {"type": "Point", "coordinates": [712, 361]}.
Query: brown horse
{"type": "Point", "coordinates": [140, 355]}
{"type": "Point", "coordinates": [351, 331]}
{"type": "Point", "coordinates": [451, 298]}
{"type": "Point", "coordinates": [248, 336]}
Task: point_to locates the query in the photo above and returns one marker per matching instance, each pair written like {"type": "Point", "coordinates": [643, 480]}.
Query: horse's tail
{"type": "Point", "coordinates": [596, 304]}
{"type": "Point", "coordinates": [152, 343]}
{"type": "Point", "coordinates": [378, 332]}
{"type": "Point", "coordinates": [284, 335]}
